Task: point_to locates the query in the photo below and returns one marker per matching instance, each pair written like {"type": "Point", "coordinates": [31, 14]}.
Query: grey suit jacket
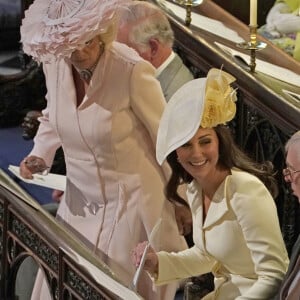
{"type": "Point", "coordinates": [292, 270]}
{"type": "Point", "coordinates": [174, 76]}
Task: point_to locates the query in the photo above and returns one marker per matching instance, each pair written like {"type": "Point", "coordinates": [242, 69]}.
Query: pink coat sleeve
{"type": "Point", "coordinates": [46, 141]}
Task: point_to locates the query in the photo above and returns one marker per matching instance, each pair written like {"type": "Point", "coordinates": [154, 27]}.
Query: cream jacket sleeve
{"type": "Point", "coordinates": [184, 264]}
{"type": "Point", "coordinates": [256, 214]}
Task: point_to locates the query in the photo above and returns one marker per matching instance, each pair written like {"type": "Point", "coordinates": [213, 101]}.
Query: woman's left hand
{"type": "Point", "coordinates": [184, 219]}
{"type": "Point", "coordinates": [151, 260]}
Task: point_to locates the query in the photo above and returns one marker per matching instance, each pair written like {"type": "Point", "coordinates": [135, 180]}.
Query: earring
{"type": "Point", "coordinates": [102, 45]}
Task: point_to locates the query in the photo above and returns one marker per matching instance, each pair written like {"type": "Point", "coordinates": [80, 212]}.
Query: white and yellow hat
{"type": "Point", "coordinates": [205, 102]}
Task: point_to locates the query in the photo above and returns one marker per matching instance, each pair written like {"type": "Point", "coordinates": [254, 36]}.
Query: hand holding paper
{"type": "Point", "coordinates": [33, 165]}
{"type": "Point", "coordinates": [141, 251]}
{"type": "Point", "coordinates": [53, 181]}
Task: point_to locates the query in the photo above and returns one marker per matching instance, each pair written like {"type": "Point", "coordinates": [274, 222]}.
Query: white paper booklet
{"type": "Point", "coordinates": [138, 271]}
{"type": "Point", "coordinates": [265, 67]}
{"type": "Point", "coordinates": [53, 181]}
{"type": "Point", "coordinates": [213, 26]}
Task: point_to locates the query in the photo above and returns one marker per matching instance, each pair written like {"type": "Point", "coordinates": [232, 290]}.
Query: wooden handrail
{"type": "Point", "coordinates": [71, 267]}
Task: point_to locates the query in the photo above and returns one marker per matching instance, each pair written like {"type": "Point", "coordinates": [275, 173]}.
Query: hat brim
{"type": "Point", "coordinates": [181, 118]}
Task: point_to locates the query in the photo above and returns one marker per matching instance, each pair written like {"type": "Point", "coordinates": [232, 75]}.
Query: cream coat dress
{"type": "Point", "coordinates": [239, 241]}
{"type": "Point", "coordinates": [114, 193]}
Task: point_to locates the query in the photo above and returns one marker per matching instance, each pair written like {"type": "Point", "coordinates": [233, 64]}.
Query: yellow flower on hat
{"type": "Point", "coordinates": [220, 98]}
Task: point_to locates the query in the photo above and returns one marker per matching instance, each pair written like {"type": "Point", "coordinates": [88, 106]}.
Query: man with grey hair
{"type": "Point", "coordinates": [144, 27]}
{"type": "Point", "coordinates": [290, 288]}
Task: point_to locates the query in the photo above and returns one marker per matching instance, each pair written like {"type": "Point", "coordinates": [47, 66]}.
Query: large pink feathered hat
{"type": "Point", "coordinates": [53, 29]}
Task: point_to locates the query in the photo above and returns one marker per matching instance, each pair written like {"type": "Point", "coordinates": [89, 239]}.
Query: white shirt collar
{"type": "Point", "coordinates": [164, 64]}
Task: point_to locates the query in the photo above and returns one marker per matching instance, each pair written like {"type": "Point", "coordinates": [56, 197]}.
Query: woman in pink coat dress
{"type": "Point", "coordinates": [103, 106]}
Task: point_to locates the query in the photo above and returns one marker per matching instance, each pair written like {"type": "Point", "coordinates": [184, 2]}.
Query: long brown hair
{"type": "Point", "coordinates": [229, 156]}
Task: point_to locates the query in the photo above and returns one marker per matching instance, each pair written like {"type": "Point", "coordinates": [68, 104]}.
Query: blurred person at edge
{"type": "Point", "coordinates": [290, 288]}
{"type": "Point", "coordinates": [282, 26]}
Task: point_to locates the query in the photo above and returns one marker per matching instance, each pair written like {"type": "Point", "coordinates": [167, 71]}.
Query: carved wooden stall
{"type": "Point", "coordinates": [17, 95]}
{"type": "Point", "coordinates": [266, 115]}
{"type": "Point", "coordinates": [72, 270]}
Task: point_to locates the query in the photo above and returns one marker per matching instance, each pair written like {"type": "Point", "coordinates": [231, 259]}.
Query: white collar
{"type": "Point", "coordinates": [164, 64]}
